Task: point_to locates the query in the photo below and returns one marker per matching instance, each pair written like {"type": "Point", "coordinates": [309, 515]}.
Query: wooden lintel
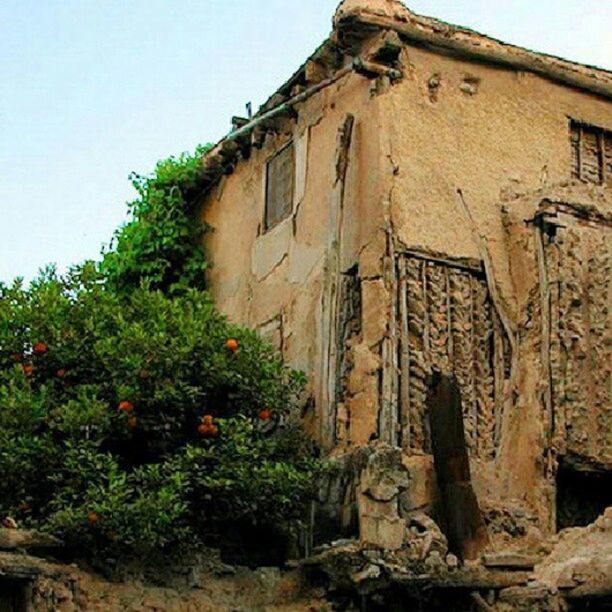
{"type": "Point", "coordinates": [386, 48]}
{"type": "Point", "coordinates": [314, 72]}
{"type": "Point", "coordinates": [238, 122]}
{"type": "Point", "coordinates": [373, 70]}
{"type": "Point", "coordinates": [229, 148]}
{"type": "Point", "coordinates": [462, 263]}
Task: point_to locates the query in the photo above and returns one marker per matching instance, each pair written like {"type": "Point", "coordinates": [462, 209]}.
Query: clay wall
{"type": "Point", "coordinates": [404, 252]}
{"type": "Point", "coordinates": [464, 140]}
{"type": "Point", "coordinates": [283, 281]}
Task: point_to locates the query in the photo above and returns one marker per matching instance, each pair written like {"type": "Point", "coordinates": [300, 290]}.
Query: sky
{"type": "Point", "coordinates": [91, 90]}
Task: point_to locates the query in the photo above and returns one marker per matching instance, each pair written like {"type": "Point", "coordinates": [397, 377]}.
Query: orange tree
{"type": "Point", "coordinates": [132, 413]}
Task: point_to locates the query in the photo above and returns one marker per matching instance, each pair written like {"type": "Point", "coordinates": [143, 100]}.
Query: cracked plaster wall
{"type": "Point", "coordinates": [431, 161]}
{"type": "Point", "coordinates": [257, 276]}
{"type": "Point", "coordinates": [457, 130]}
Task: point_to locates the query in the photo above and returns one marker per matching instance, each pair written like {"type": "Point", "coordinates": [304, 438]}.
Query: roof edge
{"type": "Point", "coordinates": [438, 35]}
{"type": "Point", "coordinates": [355, 22]}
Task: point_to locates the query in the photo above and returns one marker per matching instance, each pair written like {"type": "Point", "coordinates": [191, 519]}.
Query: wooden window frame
{"type": "Point", "coordinates": [603, 136]}
{"type": "Point", "coordinates": [287, 208]}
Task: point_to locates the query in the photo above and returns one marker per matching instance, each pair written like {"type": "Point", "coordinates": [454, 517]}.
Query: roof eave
{"type": "Point", "coordinates": [440, 36]}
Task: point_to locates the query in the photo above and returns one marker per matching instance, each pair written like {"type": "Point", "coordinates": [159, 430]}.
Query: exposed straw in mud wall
{"type": "Point", "coordinates": [579, 264]}
{"type": "Point", "coordinates": [448, 324]}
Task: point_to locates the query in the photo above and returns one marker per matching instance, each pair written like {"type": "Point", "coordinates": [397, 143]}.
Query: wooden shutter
{"type": "Point", "coordinates": [591, 153]}
{"type": "Point", "coordinates": [279, 186]}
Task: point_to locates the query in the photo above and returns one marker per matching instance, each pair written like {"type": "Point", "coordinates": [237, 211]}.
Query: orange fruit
{"type": "Point", "coordinates": [27, 368]}
{"type": "Point", "coordinates": [208, 430]}
{"type": "Point", "coordinates": [126, 406]}
{"type": "Point", "coordinates": [207, 419]}
{"type": "Point", "coordinates": [93, 518]}
{"type": "Point", "coordinates": [232, 345]}
{"type": "Point", "coordinates": [265, 414]}
{"type": "Point", "coordinates": [132, 422]}
{"type": "Point", "coordinates": [61, 373]}
{"type": "Point", "coordinates": [40, 348]}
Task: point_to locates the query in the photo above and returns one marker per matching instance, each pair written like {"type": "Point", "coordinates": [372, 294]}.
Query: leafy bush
{"type": "Point", "coordinates": [161, 245]}
{"type": "Point", "coordinates": [132, 413]}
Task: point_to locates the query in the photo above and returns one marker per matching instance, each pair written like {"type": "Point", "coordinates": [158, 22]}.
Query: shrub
{"type": "Point", "coordinates": [127, 419]}
{"type": "Point", "coordinates": [161, 244]}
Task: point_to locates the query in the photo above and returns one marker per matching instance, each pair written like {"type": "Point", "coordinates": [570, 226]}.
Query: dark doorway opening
{"type": "Point", "coordinates": [458, 512]}
{"type": "Point", "coordinates": [13, 595]}
{"type": "Point", "coordinates": [581, 496]}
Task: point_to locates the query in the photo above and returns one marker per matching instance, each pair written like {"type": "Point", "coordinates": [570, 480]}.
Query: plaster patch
{"type": "Point", "coordinates": [270, 248]}
{"type": "Point", "coordinates": [302, 261]}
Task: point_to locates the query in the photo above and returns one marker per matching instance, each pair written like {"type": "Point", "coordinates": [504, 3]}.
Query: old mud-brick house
{"type": "Point", "coordinates": [416, 199]}
{"type": "Point", "coordinates": [419, 219]}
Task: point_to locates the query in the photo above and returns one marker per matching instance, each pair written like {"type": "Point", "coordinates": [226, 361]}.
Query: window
{"type": "Point", "coordinates": [591, 153]}
{"type": "Point", "coordinates": [279, 186]}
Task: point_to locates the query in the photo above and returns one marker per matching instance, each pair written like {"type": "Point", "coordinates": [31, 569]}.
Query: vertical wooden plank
{"type": "Point", "coordinates": [499, 374]}
{"type": "Point", "coordinates": [575, 145]}
{"type": "Point", "coordinates": [601, 146]}
{"type": "Point", "coordinates": [330, 294]}
{"type": "Point", "coordinates": [607, 157]}
{"type": "Point", "coordinates": [404, 355]}
{"type": "Point", "coordinates": [472, 384]}
{"type": "Point", "coordinates": [389, 423]}
{"type": "Point", "coordinates": [540, 237]}
{"type": "Point", "coordinates": [580, 143]}
{"type": "Point", "coordinates": [449, 315]}
{"type": "Point", "coordinates": [556, 380]}
{"type": "Point", "coordinates": [418, 368]}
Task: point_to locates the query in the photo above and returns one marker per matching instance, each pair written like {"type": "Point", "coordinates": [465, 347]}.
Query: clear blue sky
{"type": "Point", "coordinates": [92, 89]}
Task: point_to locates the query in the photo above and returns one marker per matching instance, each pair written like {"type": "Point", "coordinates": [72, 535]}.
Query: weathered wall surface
{"type": "Point", "coordinates": [406, 258]}
{"type": "Point", "coordinates": [464, 138]}
{"type": "Point", "coordinates": [561, 258]}
{"type": "Point", "coordinates": [489, 132]}
{"type": "Point", "coordinates": [284, 274]}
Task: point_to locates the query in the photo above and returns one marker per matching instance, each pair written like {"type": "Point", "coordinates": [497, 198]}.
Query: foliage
{"type": "Point", "coordinates": [127, 419]}
{"type": "Point", "coordinates": [160, 246]}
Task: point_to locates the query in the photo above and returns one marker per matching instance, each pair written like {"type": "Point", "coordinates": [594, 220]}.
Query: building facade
{"type": "Point", "coordinates": [420, 198]}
